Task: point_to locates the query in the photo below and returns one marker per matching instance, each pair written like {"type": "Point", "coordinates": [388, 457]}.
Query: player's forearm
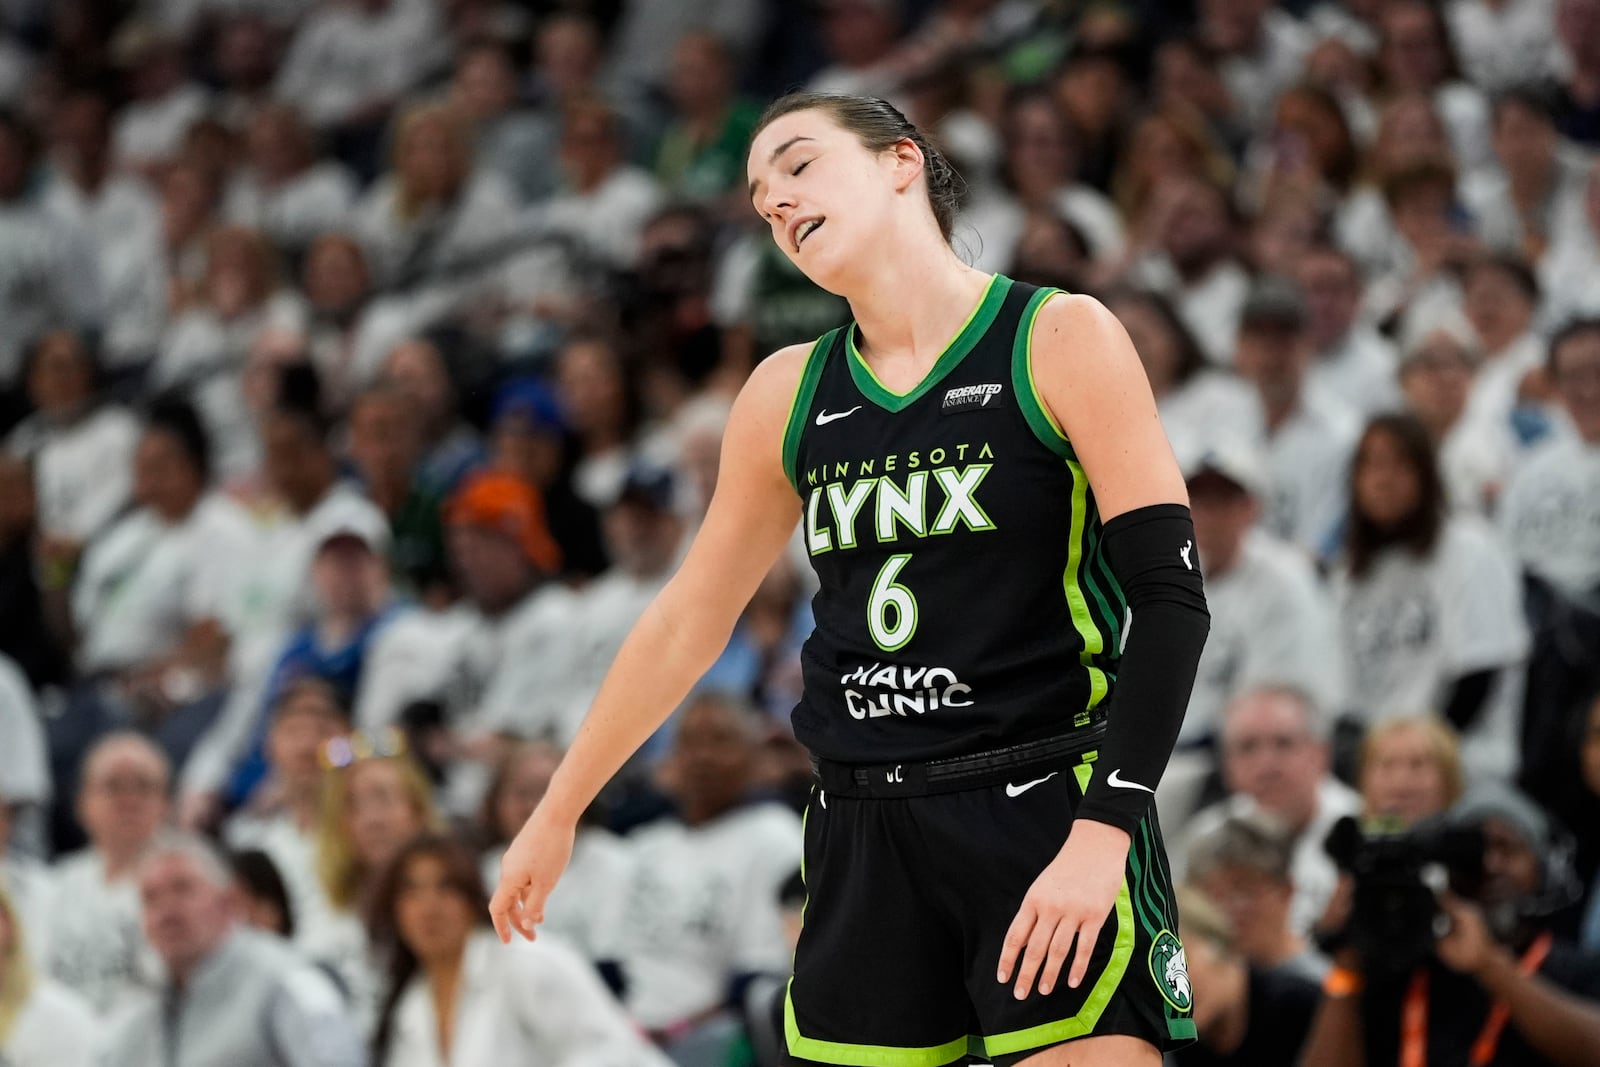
{"type": "Point", "coordinates": [669, 648]}
{"type": "Point", "coordinates": [1561, 1027]}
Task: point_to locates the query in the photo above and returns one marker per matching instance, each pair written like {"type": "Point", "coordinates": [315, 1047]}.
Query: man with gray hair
{"type": "Point", "coordinates": [231, 995]}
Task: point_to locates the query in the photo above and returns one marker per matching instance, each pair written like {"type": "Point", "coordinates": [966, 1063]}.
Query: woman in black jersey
{"type": "Point", "coordinates": [1007, 629]}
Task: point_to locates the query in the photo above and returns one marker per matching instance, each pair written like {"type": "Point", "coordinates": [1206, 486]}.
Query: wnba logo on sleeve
{"type": "Point", "coordinates": [969, 398]}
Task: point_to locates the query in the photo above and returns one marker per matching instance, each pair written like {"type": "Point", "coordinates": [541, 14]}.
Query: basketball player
{"type": "Point", "coordinates": [987, 498]}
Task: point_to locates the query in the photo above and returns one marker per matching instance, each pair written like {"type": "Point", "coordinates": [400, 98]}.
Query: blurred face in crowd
{"type": "Point", "coordinates": [81, 132]}
{"type": "Point", "coordinates": [297, 462]}
{"type": "Point", "coordinates": [1232, 25]}
{"type": "Point", "coordinates": [713, 754]}
{"type": "Point", "coordinates": [568, 54]}
{"type": "Point", "coordinates": [641, 536]}
{"type": "Point", "coordinates": [1183, 77]}
{"type": "Point", "coordinates": [1039, 150]}
{"type": "Point", "coordinates": [165, 479]}
{"type": "Point", "coordinates": [859, 32]}
{"type": "Point", "coordinates": [1223, 514]}
{"type": "Point", "coordinates": [1198, 230]}
{"type": "Point", "coordinates": [1273, 358]}
{"type": "Point", "coordinates": [1409, 132]}
{"type": "Point", "coordinates": [1437, 380]}
{"type": "Point", "coordinates": [383, 438]}
{"type": "Point", "coordinates": [123, 799]}
{"type": "Point", "coordinates": [1048, 250]}
{"type": "Point", "coordinates": [1524, 141]}
{"type": "Point", "coordinates": [349, 581]}
{"type": "Point", "coordinates": [1388, 489]}
{"type": "Point", "coordinates": [493, 568]}
{"type": "Point", "coordinates": [1402, 776]}
{"type": "Point", "coordinates": [1158, 347]}
{"type": "Point", "coordinates": [1270, 754]}
{"type": "Point", "coordinates": [593, 394]}
{"type": "Point", "coordinates": [187, 912]}
{"type": "Point", "coordinates": [417, 369]}
{"type": "Point", "coordinates": [278, 143]}
{"type": "Point", "coordinates": [1282, 234]}
{"type": "Point", "coordinates": [1257, 907]}
{"type": "Point", "coordinates": [1091, 90]}
{"type": "Point", "coordinates": [1576, 372]}
{"type": "Point", "coordinates": [306, 719]}
{"type": "Point", "coordinates": [431, 159]}
{"type": "Point", "coordinates": [527, 778]}
{"type": "Point", "coordinates": [485, 84]}
{"type": "Point", "coordinates": [589, 145]}
{"type": "Point", "coordinates": [60, 381]}
{"type": "Point", "coordinates": [336, 279]}
{"type": "Point", "coordinates": [238, 271]}
{"type": "Point", "coordinates": [531, 452]}
{"type": "Point", "coordinates": [380, 815]}
{"type": "Point", "coordinates": [1332, 290]}
{"type": "Point", "coordinates": [188, 197]}
{"type": "Point", "coordinates": [1511, 866]}
{"type": "Point", "coordinates": [702, 77]}
{"type": "Point", "coordinates": [433, 917]}
{"type": "Point", "coordinates": [1499, 310]}
{"type": "Point", "coordinates": [245, 55]}
{"type": "Point", "coordinates": [1589, 754]}
{"type": "Point", "coordinates": [1578, 26]}
{"type": "Point", "coordinates": [1304, 118]}
{"type": "Point", "coordinates": [1412, 55]}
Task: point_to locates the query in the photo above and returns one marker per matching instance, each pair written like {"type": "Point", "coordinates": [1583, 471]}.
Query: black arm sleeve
{"type": "Point", "coordinates": [1467, 698]}
{"type": "Point", "coordinates": [1151, 552]}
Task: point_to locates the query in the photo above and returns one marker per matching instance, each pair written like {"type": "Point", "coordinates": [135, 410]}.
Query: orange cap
{"type": "Point", "coordinates": [513, 507]}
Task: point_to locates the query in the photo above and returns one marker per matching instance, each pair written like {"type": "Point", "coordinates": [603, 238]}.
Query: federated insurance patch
{"type": "Point", "coordinates": [1170, 969]}
{"type": "Point", "coordinates": [970, 398]}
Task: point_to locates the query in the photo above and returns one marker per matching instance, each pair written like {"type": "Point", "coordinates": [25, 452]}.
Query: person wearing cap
{"type": "Point", "coordinates": [1271, 622]}
{"type": "Point", "coordinates": [1506, 989]}
{"type": "Point", "coordinates": [1308, 435]}
{"type": "Point", "coordinates": [1476, 456]}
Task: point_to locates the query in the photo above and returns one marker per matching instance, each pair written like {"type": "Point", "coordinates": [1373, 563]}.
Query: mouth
{"type": "Point", "coordinates": [802, 229]}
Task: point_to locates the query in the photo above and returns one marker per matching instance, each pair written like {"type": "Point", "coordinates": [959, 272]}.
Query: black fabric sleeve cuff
{"type": "Point", "coordinates": [1152, 555]}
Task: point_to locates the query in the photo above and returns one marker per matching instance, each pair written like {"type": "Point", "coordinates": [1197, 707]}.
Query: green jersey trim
{"type": "Point", "coordinates": [800, 406]}
{"type": "Point", "coordinates": [971, 332]}
{"type": "Point", "coordinates": [1043, 424]}
{"type": "Point", "coordinates": [1094, 641]}
{"type": "Point", "coordinates": [847, 1055]}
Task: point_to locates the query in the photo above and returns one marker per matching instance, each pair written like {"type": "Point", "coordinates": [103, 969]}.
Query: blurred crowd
{"type": "Point", "coordinates": [363, 371]}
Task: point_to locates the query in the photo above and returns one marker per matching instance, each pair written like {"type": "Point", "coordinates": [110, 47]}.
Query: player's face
{"type": "Point", "coordinates": [819, 189]}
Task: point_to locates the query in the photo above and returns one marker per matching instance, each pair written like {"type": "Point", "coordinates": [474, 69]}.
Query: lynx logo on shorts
{"type": "Point", "coordinates": [1170, 968]}
{"type": "Point", "coordinates": [967, 397]}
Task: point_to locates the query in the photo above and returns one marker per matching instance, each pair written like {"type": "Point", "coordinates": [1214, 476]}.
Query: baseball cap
{"type": "Point", "coordinates": [497, 501]}
{"type": "Point", "coordinates": [1274, 303]}
{"type": "Point", "coordinates": [532, 400]}
{"type": "Point", "coordinates": [649, 485]}
{"type": "Point", "coordinates": [1234, 460]}
{"type": "Point", "coordinates": [350, 520]}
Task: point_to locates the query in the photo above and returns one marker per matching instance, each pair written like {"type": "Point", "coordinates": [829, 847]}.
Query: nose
{"type": "Point", "coordinates": [776, 201]}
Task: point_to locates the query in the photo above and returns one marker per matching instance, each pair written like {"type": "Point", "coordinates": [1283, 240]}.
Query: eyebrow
{"type": "Point", "coordinates": [776, 152]}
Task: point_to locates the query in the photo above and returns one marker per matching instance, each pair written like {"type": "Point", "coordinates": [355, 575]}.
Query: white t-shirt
{"type": "Point", "coordinates": [48, 278]}
{"type": "Point", "coordinates": [1212, 405]}
{"type": "Point", "coordinates": [996, 221]}
{"type": "Point", "coordinates": [1487, 194]}
{"type": "Point", "coordinates": [83, 472]}
{"type": "Point", "coordinates": [1271, 624]}
{"type": "Point", "coordinates": [145, 582]}
{"type": "Point", "coordinates": [294, 853]}
{"type": "Point", "coordinates": [1411, 627]}
{"type": "Point", "coordinates": [1255, 80]}
{"type": "Point", "coordinates": [537, 1003]}
{"type": "Point", "coordinates": [445, 253]}
{"type": "Point", "coordinates": [24, 767]}
{"type": "Point", "coordinates": [1476, 460]}
{"type": "Point", "coordinates": [95, 945]}
{"type": "Point", "coordinates": [55, 1028]}
{"type": "Point", "coordinates": [1503, 44]}
{"type": "Point", "coordinates": [1494, 389]}
{"type": "Point", "coordinates": [609, 220]}
{"type": "Point", "coordinates": [1210, 307]}
{"type": "Point", "coordinates": [150, 131]}
{"type": "Point", "coordinates": [318, 199]}
{"type": "Point", "coordinates": [1550, 515]}
{"type": "Point", "coordinates": [1361, 372]}
{"type": "Point", "coordinates": [1308, 460]}
{"type": "Point", "coordinates": [702, 907]}
{"type": "Point", "coordinates": [343, 58]}
{"type": "Point", "coordinates": [32, 892]}
{"type": "Point", "coordinates": [586, 904]}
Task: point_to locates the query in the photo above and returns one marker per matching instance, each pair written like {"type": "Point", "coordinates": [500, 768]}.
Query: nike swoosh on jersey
{"type": "Point", "coordinates": [823, 418]}
{"type": "Point", "coordinates": [1018, 790]}
{"type": "Point", "coordinates": [1116, 779]}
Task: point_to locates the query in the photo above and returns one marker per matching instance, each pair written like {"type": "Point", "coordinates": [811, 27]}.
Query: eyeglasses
{"type": "Point", "coordinates": [340, 752]}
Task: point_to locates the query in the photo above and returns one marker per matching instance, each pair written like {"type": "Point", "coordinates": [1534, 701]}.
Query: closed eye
{"type": "Point", "coordinates": [801, 167]}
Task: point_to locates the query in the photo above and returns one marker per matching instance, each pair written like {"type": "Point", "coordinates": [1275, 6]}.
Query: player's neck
{"type": "Point", "coordinates": [915, 303]}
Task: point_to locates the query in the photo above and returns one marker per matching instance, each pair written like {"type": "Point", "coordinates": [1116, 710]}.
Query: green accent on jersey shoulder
{"type": "Point", "coordinates": [1043, 424]}
{"type": "Point", "coordinates": [800, 406]}
{"type": "Point", "coordinates": [971, 332]}
{"type": "Point", "coordinates": [811, 1048]}
{"type": "Point", "coordinates": [1083, 1023]}
{"type": "Point", "coordinates": [1082, 620]}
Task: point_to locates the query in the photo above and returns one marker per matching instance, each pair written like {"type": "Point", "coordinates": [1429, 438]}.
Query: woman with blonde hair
{"type": "Point", "coordinates": [1410, 770]}
{"type": "Point", "coordinates": [42, 1023]}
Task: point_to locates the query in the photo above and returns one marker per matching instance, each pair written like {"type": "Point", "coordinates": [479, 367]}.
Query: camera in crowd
{"type": "Point", "coordinates": [1395, 917]}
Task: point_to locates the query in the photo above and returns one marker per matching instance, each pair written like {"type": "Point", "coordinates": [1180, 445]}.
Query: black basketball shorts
{"type": "Point", "coordinates": [913, 877]}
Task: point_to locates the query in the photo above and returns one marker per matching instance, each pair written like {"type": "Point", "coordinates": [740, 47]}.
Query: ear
{"type": "Point", "coordinates": [908, 162]}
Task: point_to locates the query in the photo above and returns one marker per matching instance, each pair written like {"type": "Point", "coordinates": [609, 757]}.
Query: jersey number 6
{"type": "Point", "coordinates": [886, 595]}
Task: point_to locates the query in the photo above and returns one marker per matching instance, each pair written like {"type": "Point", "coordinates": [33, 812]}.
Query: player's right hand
{"type": "Point", "coordinates": [528, 872]}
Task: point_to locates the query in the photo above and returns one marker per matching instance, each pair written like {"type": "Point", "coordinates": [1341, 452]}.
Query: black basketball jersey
{"type": "Point", "coordinates": [965, 602]}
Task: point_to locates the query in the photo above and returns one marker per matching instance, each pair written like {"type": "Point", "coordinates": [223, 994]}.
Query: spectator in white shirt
{"type": "Point", "coordinates": [604, 202]}
{"type": "Point", "coordinates": [42, 1023]}
{"type": "Point", "coordinates": [1308, 435]}
{"type": "Point", "coordinates": [1536, 187]}
{"type": "Point", "coordinates": [1567, 273]}
{"type": "Point", "coordinates": [861, 37]}
{"type": "Point", "coordinates": [583, 908]}
{"type": "Point", "coordinates": [165, 103]}
{"type": "Point", "coordinates": [1551, 512]}
{"type": "Point", "coordinates": [191, 195]}
{"type": "Point", "coordinates": [1503, 42]}
{"type": "Point", "coordinates": [25, 778]}
{"type": "Point", "coordinates": [702, 912]}
{"type": "Point", "coordinates": [1275, 758]}
{"type": "Point", "coordinates": [1414, 55]}
{"type": "Point", "coordinates": [1476, 456]}
{"type": "Point", "coordinates": [1409, 132]}
{"type": "Point", "coordinates": [1501, 301]}
{"type": "Point", "coordinates": [1261, 48]}
{"type": "Point", "coordinates": [451, 447]}
{"type": "Point", "coordinates": [283, 190]}
{"type": "Point", "coordinates": [457, 996]}
{"type": "Point", "coordinates": [1351, 361]}
{"type": "Point", "coordinates": [601, 403]}
{"type": "Point", "coordinates": [79, 448]}
{"type": "Point", "coordinates": [1430, 609]}
{"type": "Point", "coordinates": [93, 944]}
{"type": "Point", "coordinates": [517, 144]}
{"type": "Point", "coordinates": [350, 62]}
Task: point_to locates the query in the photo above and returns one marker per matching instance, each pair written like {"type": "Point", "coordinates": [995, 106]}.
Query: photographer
{"type": "Point", "coordinates": [1498, 990]}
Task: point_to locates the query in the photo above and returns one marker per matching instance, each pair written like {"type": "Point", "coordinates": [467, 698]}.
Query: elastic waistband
{"type": "Point", "coordinates": [959, 773]}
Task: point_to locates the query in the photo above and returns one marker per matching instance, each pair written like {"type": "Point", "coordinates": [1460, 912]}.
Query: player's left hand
{"type": "Point", "coordinates": [1070, 899]}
